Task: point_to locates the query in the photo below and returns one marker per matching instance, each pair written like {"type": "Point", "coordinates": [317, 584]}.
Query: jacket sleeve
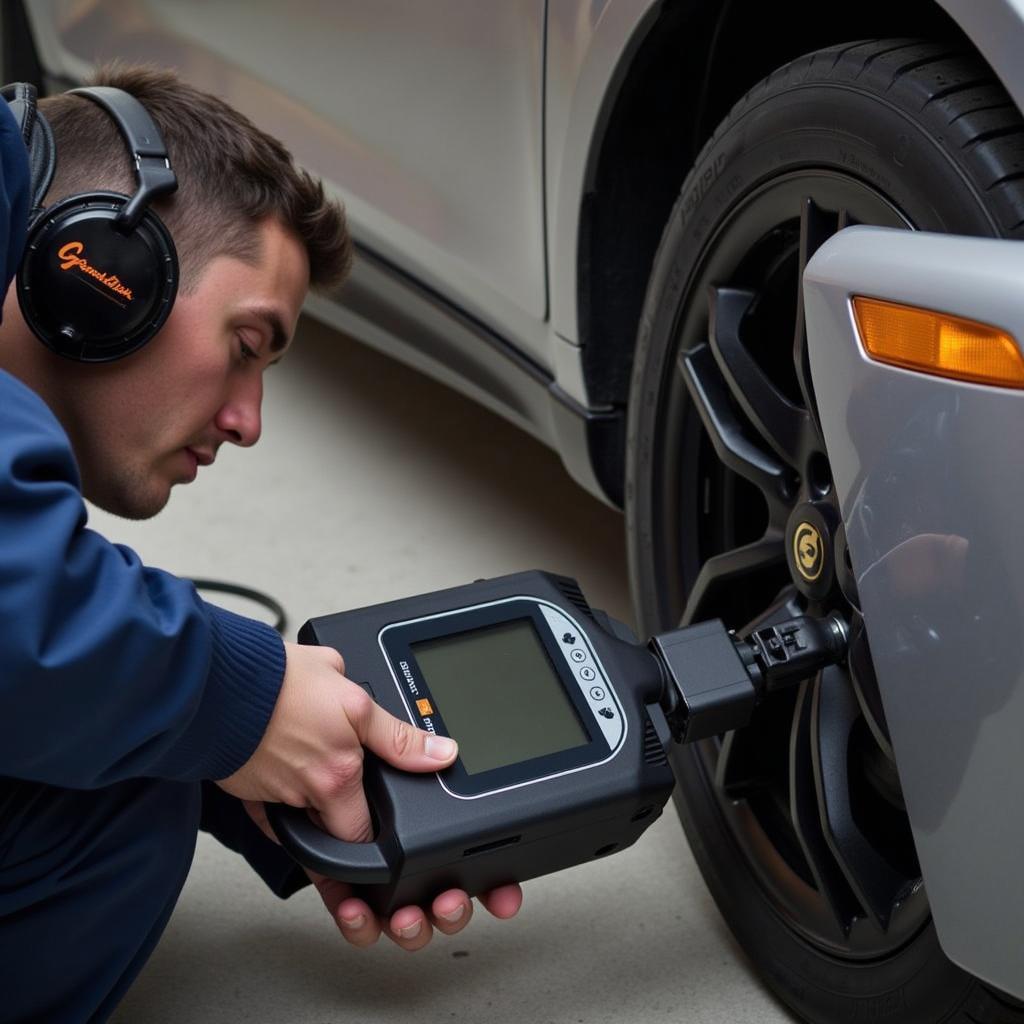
{"type": "Point", "coordinates": [108, 669]}
{"type": "Point", "coordinates": [225, 818]}
{"type": "Point", "coordinates": [15, 187]}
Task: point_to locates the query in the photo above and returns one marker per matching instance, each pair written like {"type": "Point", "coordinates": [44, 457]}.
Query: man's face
{"type": "Point", "coordinates": [149, 421]}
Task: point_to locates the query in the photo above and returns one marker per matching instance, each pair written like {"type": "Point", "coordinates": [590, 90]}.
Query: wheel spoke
{"type": "Point", "coordinates": [865, 686]}
{"type": "Point", "coordinates": [784, 426]}
{"type": "Point", "coordinates": [730, 566]}
{"type": "Point", "coordinates": [711, 397]}
{"type": "Point", "coordinates": [803, 809]}
{"type": "Point", "coordinates": [737, 773]}
{"type": "Point", "coordinates": [785, 606]}
{"type": "Point", "coordinates": [816, 227]}
{"type": "Point", "coordinates": [877, 886]}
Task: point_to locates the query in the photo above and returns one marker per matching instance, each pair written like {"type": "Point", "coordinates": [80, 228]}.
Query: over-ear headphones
{"type": "Point", "coordinates": [99, 273]}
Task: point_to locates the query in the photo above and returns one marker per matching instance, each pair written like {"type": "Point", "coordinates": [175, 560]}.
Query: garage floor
{"type": "Point", "coordinates": [371, 483]}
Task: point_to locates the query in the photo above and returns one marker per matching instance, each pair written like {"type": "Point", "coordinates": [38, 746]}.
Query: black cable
{"type": "Point", "coordinates": [220, 587]}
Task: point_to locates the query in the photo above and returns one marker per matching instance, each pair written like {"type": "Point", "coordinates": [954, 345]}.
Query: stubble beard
{"type": "Point", "coordinates": [128, 492]}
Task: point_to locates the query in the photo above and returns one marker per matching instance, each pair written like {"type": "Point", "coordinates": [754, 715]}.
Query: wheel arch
{"type": "Point", "coordinates": [651, 131]}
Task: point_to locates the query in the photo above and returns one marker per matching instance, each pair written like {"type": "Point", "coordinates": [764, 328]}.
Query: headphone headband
{"type": "Point", "coordinates": [152, 168]}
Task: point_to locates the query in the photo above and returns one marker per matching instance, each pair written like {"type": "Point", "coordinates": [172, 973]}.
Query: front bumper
{"type": "Point", "coordinates": [930, 477]}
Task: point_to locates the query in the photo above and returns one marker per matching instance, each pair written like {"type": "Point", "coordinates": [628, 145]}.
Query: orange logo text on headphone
{"type": "Point", "coordinates": [71, 258]}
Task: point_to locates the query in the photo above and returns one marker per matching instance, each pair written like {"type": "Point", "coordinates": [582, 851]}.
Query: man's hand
{"type": "Point", "coordinates": [411, 927]}
{"type": "Point", "coordinates": [312, 756]}
{"type": "Point", "coordinates": [312, 752]}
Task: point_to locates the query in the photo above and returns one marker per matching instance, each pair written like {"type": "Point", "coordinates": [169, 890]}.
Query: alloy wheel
{"type": "Point", "coordinates": [809, 789]}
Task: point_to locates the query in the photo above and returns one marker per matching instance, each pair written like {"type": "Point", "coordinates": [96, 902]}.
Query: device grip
{"type": "Point", "coordinates": [312, 847]}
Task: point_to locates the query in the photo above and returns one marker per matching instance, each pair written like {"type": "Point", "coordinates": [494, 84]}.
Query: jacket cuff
{"type": "Point", "coordinates": [246, 671]}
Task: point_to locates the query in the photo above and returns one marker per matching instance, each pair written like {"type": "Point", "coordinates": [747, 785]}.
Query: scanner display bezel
{"type": "Point", "coordinates": [396, 641]}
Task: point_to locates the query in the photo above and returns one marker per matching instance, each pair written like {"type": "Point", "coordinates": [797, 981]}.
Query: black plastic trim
{"type": "Point", "coordinates": [357, 298]}
{"type": "Point", "coordinates": [472, 357]}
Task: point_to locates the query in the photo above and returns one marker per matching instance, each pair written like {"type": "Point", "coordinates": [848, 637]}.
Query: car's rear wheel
{"type": "Point", "coordinates": [798, 821]}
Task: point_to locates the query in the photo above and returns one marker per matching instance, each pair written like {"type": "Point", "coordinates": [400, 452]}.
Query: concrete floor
{"type": "Point", "coordinates": [371, 483]}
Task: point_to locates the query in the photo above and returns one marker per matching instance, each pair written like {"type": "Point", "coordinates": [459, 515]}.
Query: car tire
{"type": "Point", "coordinates": [896, 132]}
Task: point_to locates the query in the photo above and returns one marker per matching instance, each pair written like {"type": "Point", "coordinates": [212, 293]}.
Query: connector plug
{"type": "Point", "coordinates": [713, 680]}
{"type": "Point", "coordinates": [708, 689]}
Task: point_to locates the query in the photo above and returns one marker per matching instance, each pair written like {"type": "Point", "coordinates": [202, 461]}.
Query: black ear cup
{"type": "Point", "coordinates": [99, 274]}
{"type": "Point", "coordinates": [89, 290]}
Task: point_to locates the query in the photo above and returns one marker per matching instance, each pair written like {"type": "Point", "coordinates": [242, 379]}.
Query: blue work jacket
{"type": "Point", "coordinates": [109, 670]}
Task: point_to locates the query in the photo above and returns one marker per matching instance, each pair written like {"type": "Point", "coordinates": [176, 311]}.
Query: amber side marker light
{"type": "Point", "coordinates": [937, 343]}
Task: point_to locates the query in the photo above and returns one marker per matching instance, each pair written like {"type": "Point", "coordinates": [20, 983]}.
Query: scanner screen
{"type": "Point", "coordinates": [499, 695]}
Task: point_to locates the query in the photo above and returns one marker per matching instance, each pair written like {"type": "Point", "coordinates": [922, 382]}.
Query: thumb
{"type": "Point", "coordinates": [402, 745]}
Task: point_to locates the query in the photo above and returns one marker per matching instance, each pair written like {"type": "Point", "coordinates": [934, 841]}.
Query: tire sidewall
{"type": "Point", "coordinates": [916, 984]}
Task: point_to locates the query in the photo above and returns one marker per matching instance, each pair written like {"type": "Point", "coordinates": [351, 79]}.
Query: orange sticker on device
{"type": "Point", "coordinates": [424, 708]}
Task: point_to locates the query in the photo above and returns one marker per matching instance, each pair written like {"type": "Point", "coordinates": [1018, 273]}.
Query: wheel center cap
{"type": "Point", "coordinates": [808, 551]}
{"type": "Point", "coordinates": [810, 547]}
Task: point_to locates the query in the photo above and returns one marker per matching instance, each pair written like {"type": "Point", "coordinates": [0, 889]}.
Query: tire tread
{"type": "Point", "coordinates": [952, 92]}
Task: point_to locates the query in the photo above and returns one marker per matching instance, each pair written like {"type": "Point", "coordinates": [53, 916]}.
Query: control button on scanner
{"type": "Point", "coordinates": [596, 693]}
{"type": "Point", "coordinates": [578, 655]}
{"type": "Point", "coordinates": [587, 673]}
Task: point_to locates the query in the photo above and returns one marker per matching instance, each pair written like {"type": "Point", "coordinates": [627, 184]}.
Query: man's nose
{"type": "Point", "coordinates": [240, 416]}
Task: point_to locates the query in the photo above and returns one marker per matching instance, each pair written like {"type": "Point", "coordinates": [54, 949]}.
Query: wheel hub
{"type": "Point", "coordinates": [811, 549]}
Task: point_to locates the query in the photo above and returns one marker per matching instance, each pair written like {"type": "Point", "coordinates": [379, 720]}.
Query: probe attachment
{"type": "Point", "coordinates": [714, 679]}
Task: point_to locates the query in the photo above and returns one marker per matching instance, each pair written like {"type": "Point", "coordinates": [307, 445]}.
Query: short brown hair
{"type": "Point", "coordinates": [231, 175]}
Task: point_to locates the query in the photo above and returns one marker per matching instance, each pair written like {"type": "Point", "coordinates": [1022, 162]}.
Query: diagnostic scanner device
{"type": "Point", "coordinates": [563, 722]}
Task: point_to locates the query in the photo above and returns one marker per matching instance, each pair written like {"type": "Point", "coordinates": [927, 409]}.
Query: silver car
{"type": "Point", "coordinates": [595, 217]}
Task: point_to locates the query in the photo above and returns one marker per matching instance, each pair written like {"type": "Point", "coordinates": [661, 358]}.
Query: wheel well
{"type": "Point", "coordinates": [697, 60]}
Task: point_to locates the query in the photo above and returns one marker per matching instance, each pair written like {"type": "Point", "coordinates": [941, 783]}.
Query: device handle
{"type": "Point", "coordinates": [311, 846]}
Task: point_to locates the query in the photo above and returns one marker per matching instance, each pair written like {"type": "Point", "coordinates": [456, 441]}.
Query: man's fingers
{"type": "Point", "coordinates": [401, 745]}
{"type": "Point", "coordinates": [452, 911]}
{"type": "Point", "coordinates": [347, 819]}
{"type": "Point", "coordinates": [337, 789]}
{"type": "Point", "coordinates": [410, 929]}
{"type": "Point", "coordinates": [356, 922]}
{"type": "Point", "coordinates": [340, 802]}
{"type": "Point", "coordinates": [503, 902]}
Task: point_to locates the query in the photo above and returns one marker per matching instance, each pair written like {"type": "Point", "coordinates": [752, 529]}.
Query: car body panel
{"type": "Point", "coordinates": [468, 221]}
{"type": "Point", "coordinates": [995, 28]}
{"type": "Point", "coordinates": [930, 476]}
{"type": "Point", "coordinates": [395, 314]}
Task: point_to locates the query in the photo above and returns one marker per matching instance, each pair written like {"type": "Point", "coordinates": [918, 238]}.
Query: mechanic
{"type": "Point", "coordinates": [133, 711]}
